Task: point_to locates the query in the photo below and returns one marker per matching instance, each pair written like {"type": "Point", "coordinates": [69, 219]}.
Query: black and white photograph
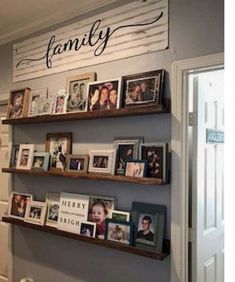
{"type": "Point", "coordinates": [44, 106]}
{"type": "Point", "coordinates": [88, 229]}
{"type": "Point", "coordinates": [53, 206]}
{"type": "Point", "coordinates": [36, 97]}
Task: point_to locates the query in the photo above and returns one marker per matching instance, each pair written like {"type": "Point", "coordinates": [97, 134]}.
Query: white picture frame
{"type": "Point", "coordinates": [87, 229]}
{"type": "Point", "coordinates": [34, 99]}
{"type": "Point", "coordinates": [102, 161]}
{"type": "Point", "coordinates": [36, 212]}
{"type": "Point", "coordinates": [53, 206]}
{"type": "Point", "coordinates": [25, 158]}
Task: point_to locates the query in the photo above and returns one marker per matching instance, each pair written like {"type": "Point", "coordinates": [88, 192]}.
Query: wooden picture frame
{"type": "Point", "coordinates": [40, 161]}
{"type": "Point", "coordinates": [14, 155]}
{"type": "Point", "coordinates": [25, 157]}
{"type": "Point", "coordinates": [36, 212]}
{"type": "Point", "coordinates": [59, 145]}
{"type": "Point", "coordinates": [76, 87]}
{"type": "Point", "coordinates": [77, 163]}
{"type": "Point", "coordinates": [18, 203]}
{"type": "Point", "coordinates": [53, 207]}
{"type": "Point", "coordinates": [102, 161]}
{"type": "Point", "coordinates": [136, 168]}
{"type": "Point", "coordinates": [34, 99]}
{"type": "Point", "coordinates": [18, 103]}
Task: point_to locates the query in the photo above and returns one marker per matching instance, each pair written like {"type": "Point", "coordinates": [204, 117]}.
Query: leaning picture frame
{"type": "Point", "coordinates": [44, 106]}
{"type": "Point", "coordinates": [53, 207]}
{"type": "Point", "coordinates": [150, 221]}
{"type": "Point", "coordinates": [34, 99]}
{"type": "Point", "coordinates": [136, 168]}
{"type": "Point", "coordinates": [18, 203]}
{"type": "Point", "coordinates": [25, 157]}
{"type": "Point", "coordinates": [40, 161]}
{"type": "Point", "coordinates": [77, 163]}
{"type": "Point", "coordinates": [102, 161]}
{"type": "Point", "coordinates": [14, 155]}
{"type": "Point", "coordinates": [120, 215]}
{"type": "Point", "coordinates": [36, 212]}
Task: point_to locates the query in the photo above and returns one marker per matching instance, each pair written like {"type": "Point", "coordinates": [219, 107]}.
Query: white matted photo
{"type": "Point", "coordinates": [87, 229]}
{"type": "Point", "coordinates": [36, 212]}
{"type": "Point", "coordinates": [53, 206]}
{"type": "Point", "coordinates": [25, 157]}
{"type": "Point", "coordinates": [102, 161]}
{"type": "Point", "coordinates": [18, 203]}
{"type": "Point", "coordinates": [34, 99]}
{"type": "Point", "coordinates": [44, 106]}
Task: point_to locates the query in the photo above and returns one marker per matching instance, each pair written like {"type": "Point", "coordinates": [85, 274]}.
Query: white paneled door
{"type": "Point", "coordinates": [5, 252]}
{"type": "Point", "coordinates": [207, 178]}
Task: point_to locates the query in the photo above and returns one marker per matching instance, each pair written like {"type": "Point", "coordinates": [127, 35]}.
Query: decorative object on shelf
{"type": "Point", "coordinates": [18, 203]}
{"type": "Point", "coordinates": [18, 103]}
{"type": "Point", "coordinates": [45, 106]}
{"type": "Point", "coordinates": [120, 215]}
{"type": "Point", "coordinates": [41, 161]}
{"type": "Point", "coordinates": [61, 99]}
{"type": "Point", "coordinates": [73, 210]}
{"type": "Point", "coordinates": [143, 88]}
{"type": "Point", "coordinates": [102, 161]}
{"type": "Point", "coordinates": [119, 231]}
{"type": "Point", "coordinates": [104, 95]}
{"type": "Point", "coordinates": [136, 168]}
{"type": "Point", "coordinates": [53, 206]}
{"type": "Point", "coordinates": [59, 145]}
{"type": "Point", "coordinates": [100, 209]}
{"type": "Point", "coordinates": [35, 98]}
{"type": "Point", "coordinates": [25, 157]}
{"type": "Point", "coordinates": [77, 163]}
{"type": "Point", "coordinates": [36, 212]}
{"type": "Point", "coordinates": [149, 222]}
{"type": "Point", "coordinates": [77, 88]}
{"type": "Point", "coordinates": [155, 154]}
{"type": "Point", "coordinates": [14, 155]}
{"type": "Point", "coordinates": [87, 229]}
{"type": "Point", "coordinates": [127, 149]}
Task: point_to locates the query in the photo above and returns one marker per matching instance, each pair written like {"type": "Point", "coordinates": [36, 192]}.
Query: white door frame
{"type": "Point", "coordinates": [179, 146]}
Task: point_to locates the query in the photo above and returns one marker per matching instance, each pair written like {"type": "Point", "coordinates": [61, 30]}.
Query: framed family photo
{"type": "Point", "coordinates": [87, 229]}
{"type": "Point", "coordinates": [77, 89]}
{"type": "Point", "coordinates": [53, 206]}
{"type": "Point", "coordinates": [102, 161]}
{"type": "Point", "coordinates": [77, 163]}
{"type": "Point", "coordinates": [36, 212]}
{"type": "Point", "coordinates": [35, 98]}
{"type": "Point", "coordinates": [41, 161]}
{"type": "Point", "coordinates": [104, 95]}
{"type": "Point", "coordinates": [136, 168]}
{"type": "Point", "coordinates": [143, 88]}
{"type": "Point", "coordinates": [25, 157]}
{"type": "Point", "coordinates": [119, 231]}
{"type": "Point", "coordinates": [14, 155]}
{"type": "Point", "coordinates": [18, 203]}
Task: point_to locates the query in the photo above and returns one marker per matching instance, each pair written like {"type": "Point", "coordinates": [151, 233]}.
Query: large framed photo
{"type": "Point", "coordinates": [53, 206]}
{"type": "Point", "coordinates": [104, 95]}
{"type": "Point", "coordinates": [36, 212]}
{"type": "Point", "coordinates": [14, 155]}
{"type": "Point", "coordinates": [155, 154]}
{"type": "Point", "coordinates": [18, 103]}
{"type": "Point", "coordinates": [77, 88]}
{"type": "Point", "coordinates": [87, 229]}
{"type": "Point", "coordinates": [119, 231]}
{"type": "Point", "coordinates": [77, 163]}
{"type": "Point", "coordinates": [59, 145]}
{"type": "Point", "coordinates": [149, 222]}
{"type": "Point", "coordinates": [41, 161]}
{"type": "Point", "coordinates": [127, 150]}
{"type": "Point", "coordinates": [143, 88]}
{"type": "Point", "coordinates": [18, 203]}
{"type": "Point", "coordinates": [136, 168]}
{"type": "Point", "coordinates": [102, 161]}
{"type": "Point", "coordinates": [35, 98]}
{"type": "Point", "coordinates": [25, 157]}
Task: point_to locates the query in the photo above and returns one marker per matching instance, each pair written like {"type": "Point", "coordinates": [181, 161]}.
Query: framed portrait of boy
{"type": "Point", "coordinates": [136, 168]}
{"type": "Point", "coordinates": [149, 220]}
{"type": "Point", "coordinates": [25, 157]}
{"type": "Point", "coordinates": [87, 229]}
{"type": "Point", "coordinates": [104, 95]}
{"type": "Point", "coordinates": [36, 212]}
{"type": "Point", "coordinates": [44, 106]}
{"type": "Point", "coordinates": [102, 161]}
{"type": "Point", "coordinates": [76, 87]}
{"type": "Point", "coordinates": [120, 215]}
{"type": "Point", "coordinates": [18, 203]}
{"type": "Point", "coordinates": [18, 103]}
{"type": "Point", "coordinates": [35, 98]}
{"type": "Point", "coordinates": [14, 155]}
{"type": "Point", "coordinates": [143, 88]}
{"type": "Point", "coordinates": [77, 163]}
{"type": "Point", "coordinates": [59, 145]}
{"type": "Point", "coordinates": [53, 206]}
{"type": "Point", "coordinates": [41, 161]}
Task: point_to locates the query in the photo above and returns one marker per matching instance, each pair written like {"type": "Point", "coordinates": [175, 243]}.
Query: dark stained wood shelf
{"type": "Point", "coordinates": [104, 243]}
{"type": "Point", "coordinates": [130, 111]}
{"type": "Point", "coordinates": [93, 176]}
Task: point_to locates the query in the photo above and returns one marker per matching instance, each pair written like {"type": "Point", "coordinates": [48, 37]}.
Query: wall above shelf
{"type": "Point", "coordinates": [93, 176]}
{"type": "Point", "coordinates": [94, 241]}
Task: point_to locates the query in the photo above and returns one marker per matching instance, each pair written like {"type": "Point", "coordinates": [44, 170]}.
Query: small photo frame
{"type": "Point", "coordinates": [104, 95]}
{"type": "Point", "coordinates": [25, 157]}
{"type": "Point", "coordinates": [59, 145]}
{"type": "Point", "coordinates": [35, 98]}
{"type": "Point", "coordinates": [76, 86]}
{"type": "Point", "coordinates": [36, 212]}
{"type": "Point", "coordinates": [18, 203]}
{"type": "Point", "coordinates": [44, 107]}
{"type": "Point", "coordinates": [53, 206]}
{"type": "Point", "coordinates": [87, 229]}
{"type": "Point", "coordinates": [14, 155]}
{"type": "Point", "coordinates": [143, 88]}
{"type": "Point", "coordinates": [102, 161]}
{"type": "Point", "coordinates": [149, 222]}
{"type": "Point", "coordinates": [136, 168]}
{"type": "Point", "coordinates": [77, 163]}
{"type": "Point", "coordinates": [18, 103]}
{"type": "Point", "coordinates": [119, 231]}
{"type": "Point", "coordinates": [120, 215]}
{"type": "Point", "coordinates": [41, 161]}
{"type": "Point", "coordinates": [61, 102]}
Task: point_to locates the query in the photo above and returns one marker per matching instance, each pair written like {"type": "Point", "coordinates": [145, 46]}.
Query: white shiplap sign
{"type": "Point", "coordinates": [133, 29]}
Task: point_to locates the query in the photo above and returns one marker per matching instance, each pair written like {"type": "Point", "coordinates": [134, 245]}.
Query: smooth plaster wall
{"type": "Point", "coordinates": [195, 29]}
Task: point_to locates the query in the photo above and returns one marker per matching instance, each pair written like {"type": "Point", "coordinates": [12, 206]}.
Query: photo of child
{"type": "Point", "coordinates": [38, 162]}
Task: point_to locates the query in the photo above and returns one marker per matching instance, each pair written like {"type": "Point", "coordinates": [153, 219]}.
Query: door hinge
{"type": "Point", "coordinates": [191, 234]}
{"type": "Point", "coordinates": [192, 119]}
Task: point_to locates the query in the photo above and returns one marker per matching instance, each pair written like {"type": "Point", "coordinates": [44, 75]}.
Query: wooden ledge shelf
{"type": "Point", "coordinates": [131, 111]}
{"type": "Point", "coordinates": [93, 176]}
{"type": "Point", "coordinates": [104, 243]}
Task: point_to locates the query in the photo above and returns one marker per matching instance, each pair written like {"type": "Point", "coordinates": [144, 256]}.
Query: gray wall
{"type": "Point", "coordinates": [195, 29]}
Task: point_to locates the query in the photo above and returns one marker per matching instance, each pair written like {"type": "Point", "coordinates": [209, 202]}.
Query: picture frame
{"type": "Point", "coordinates": [155, 154]}
{"type": "Point", "coordinates": [36, 212]}
{"type": "Point", "coordinates": [126, 149]}
{"type": "Point", "coordinates": [104, 95]}
{"type": "Point", "coordinates": [136, 168]}
{"type": "Point", "coordinates": [14, 155]}
{"type": "Point", "coordinates": [149, 220]}
{"type": "Point", "coordinates": [18, 103]}
{"type": "Point", "coordinates": [102, 161]}
{"type": "Point", "coordinates": [35, 97]}
{"type": "Point", "coordinates": [120, 215]}
{"type": "Point", "coordinates": [18, 203]}
{"type": "Point", "coordinates": [119, 231]}
{"type": "Point", "coordinates": [87, 229]}
{"type": "Point", "coordinates": [25, 157]}
{"type": "Point", "coordinates": [76, 87]}
{"type": "Point", "coordinates": [45, 106]}
{"type": "Point", "coordinates": [53, 206]}
{"type": "Point", "coordinates": [60, 102]}
{"type": "Point", "coordinates": [59, 145]}
{"type": "Point", "coordinates": [143, 88]}
{"type": "Point", "coordinates": [41, 161]}
{"type": "Point", "coordinates": [77, 163]}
